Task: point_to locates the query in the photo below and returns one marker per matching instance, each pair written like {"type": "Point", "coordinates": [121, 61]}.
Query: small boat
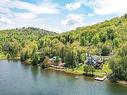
{"type": "Point", "coordinates": [100, 79]}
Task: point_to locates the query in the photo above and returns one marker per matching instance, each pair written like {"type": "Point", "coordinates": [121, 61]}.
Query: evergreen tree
{"type": "Point", "coordinates": [35, 59]}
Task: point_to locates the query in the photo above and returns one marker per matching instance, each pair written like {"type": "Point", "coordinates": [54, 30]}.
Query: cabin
{"type": "Point", "coordinates": [95, 60]}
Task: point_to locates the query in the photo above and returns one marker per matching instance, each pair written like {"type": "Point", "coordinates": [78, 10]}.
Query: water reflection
{"type": "Point", "coordinates": [14, 60]}
{"type": "Point", "coordinates": [115, 89]}
{"type": "Point", "coordinates": [21, 79]}
{"type": "Point", "coordinates": [35, 72]}
{"type": "Point", "coordinates": [24, 66]}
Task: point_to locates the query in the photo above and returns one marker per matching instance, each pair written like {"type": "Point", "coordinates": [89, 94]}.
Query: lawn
{"type": "Point", "coordinates": [104, 71]}
{"type": "Point", "coordinates": [101, 72]}
{"type": "Point", "coordinates": [2, 56]}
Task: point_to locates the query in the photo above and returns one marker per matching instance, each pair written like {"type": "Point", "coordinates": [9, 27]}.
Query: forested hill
{"type": "Point", "coordinates": [110, 33]}
{"type": "Point", "coordinates": [29, 30]}
{"type": "Point", "coordinates": [12, 41]}
{"type": "Point", "coordinates": [113, 30]}
{"type": "Point", "coordinates": [23, 34]}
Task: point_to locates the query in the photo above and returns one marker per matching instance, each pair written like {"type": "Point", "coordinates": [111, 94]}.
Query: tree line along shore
{"type": "Point", "coordinates": [83, 50]}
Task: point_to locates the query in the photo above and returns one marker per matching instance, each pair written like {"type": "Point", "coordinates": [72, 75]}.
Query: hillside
{"type": "Point", "coordinates": [110, 33]}
{"type": "Point", "coordinates": [25, 32]}
{"type": "Point", "coordinates": [19, 37]}
{"type": "Point", "coordinates": [108, 38]}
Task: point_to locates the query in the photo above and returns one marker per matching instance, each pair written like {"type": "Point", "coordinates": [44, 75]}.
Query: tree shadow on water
{"type": "Point", "coordinates": [35, 72]}
{"type": "Point", "coordinates": [115, 89]}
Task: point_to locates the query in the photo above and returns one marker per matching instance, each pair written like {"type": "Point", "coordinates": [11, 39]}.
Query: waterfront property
{"type": "Point", "coordinates": [95, 60]}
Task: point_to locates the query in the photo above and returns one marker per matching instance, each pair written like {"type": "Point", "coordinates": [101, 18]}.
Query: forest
{"type": "Point", "coordinates": [37, 46]}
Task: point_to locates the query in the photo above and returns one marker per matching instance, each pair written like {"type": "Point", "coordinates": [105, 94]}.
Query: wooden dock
{"type": "Point", "coordinates": [100, 79]}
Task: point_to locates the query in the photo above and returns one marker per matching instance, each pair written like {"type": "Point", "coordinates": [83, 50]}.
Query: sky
{"type": "Point", "coordinates": [58, 15]}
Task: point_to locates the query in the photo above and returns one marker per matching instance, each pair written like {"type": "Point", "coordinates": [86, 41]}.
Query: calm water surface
{"type": "Point", "coordinates": [19, 79]}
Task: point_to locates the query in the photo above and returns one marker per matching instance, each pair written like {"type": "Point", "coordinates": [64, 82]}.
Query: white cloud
{"type": "Point", "coordinates": [106, 7]}
{"type": "Point", "coordinates": [73, 6]}
{"type": "Point", "coordinates": [36, 9]}
{"type": "Point", "coordinates": [101, 7]}
{"type": "Point", "coordinates": [91, 15]}
{"type": "Point", "coordinates": [72, 19]}
{"type": "Point", "coordinates": [111, 6]}
{"type": "Point", "coordinates": [33, 14]}
{"type": "Point", "coordinates": [40, 9]}
{"type": "Point", "coordinates": [4, 10]}
{"type": "Point", "coordinates": [24, 16]}
{"type": "Point", "coordinates": [4, 20]}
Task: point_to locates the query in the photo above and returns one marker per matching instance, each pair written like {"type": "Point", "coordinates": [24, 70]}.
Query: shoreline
{"type": "Point", "coordinates": [70, 71]}
{"type": "Point", "coordinates": [17, 58]}
{"type": "Point", "coordinates": [122, 83]}
{"type": "Point", "coordinates": [3, 58]}
{"type": "Point", "coordinates": [66, 71]}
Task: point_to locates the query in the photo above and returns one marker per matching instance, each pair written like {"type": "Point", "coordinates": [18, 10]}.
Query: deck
{"type": "Point", "coordinates": [100, 79]}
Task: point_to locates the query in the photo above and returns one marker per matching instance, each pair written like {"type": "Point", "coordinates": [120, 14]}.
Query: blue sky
{"type": "Point", "coordinates": [58, 15]}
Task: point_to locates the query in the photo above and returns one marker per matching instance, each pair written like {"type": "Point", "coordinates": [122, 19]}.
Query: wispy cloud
{"type": "Point", "coordinates": [24, 16]}
{"type": "Point", "coordinates": [58, 14]}
{"type": "Point", "coordinates": [106, 7]}
{"type": "Point", "coordinates": [73, 6]}
{"type": "Point", "coordinates": [40, 9]}
{"type": "Point", "coordinates": [4, 20]}
{"type": "Point", "coordinates": [36, 9]}
{"type": "Point", "coordinates": [4, 10]}
{"type": "Point", "coordinates": [31, 15]}
{"type": "Point", "coordinates": [100, 7]}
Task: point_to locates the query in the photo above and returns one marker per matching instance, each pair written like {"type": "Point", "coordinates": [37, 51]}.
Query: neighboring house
{"type": "Point", "coordinates": [56, 60]}
{"type": "Point", "coordinates": [6, 47]}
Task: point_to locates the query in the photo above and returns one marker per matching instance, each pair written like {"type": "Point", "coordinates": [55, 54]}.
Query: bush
{"type": "Point", "coordinates": [118, 65]}
{"type": "Point", "coordinates": [35, 59]}
{"type": "Point", "coordinates": [105, 51]}
{"type": "Point", "coordinates": [24, 56]}
{"type": "Point", "coordinates": [89, 69]}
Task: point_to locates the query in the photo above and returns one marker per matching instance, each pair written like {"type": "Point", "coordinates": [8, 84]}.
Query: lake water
{"type": "Point", "coordinates": [20, 79]}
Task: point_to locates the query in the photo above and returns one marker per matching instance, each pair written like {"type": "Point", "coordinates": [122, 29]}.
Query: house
{"type": "Point", "coordinates": [94, 60]}
{"type": "Point", "coordinates": [56, 60]}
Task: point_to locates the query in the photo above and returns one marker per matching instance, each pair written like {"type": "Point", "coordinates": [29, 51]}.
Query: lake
{"type": "Point", "coordinates": [20, 79]}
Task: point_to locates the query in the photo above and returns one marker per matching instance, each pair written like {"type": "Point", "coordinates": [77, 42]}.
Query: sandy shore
{"type": "Point", "coordinates": [123, 83]}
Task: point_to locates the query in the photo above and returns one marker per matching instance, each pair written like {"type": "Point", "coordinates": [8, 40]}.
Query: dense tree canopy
{"type": "Point", "coordinates": [36, 44]}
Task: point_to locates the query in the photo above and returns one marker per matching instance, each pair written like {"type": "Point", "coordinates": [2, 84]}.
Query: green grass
{"type": "Point", "coordinates": [2, 56]}
{"type": "Point", "coordinates": [101, 72]}
{"type": "Point", "coordinates": [77, 70]}
{"type": "Point", "coordinates": [105, 70]}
